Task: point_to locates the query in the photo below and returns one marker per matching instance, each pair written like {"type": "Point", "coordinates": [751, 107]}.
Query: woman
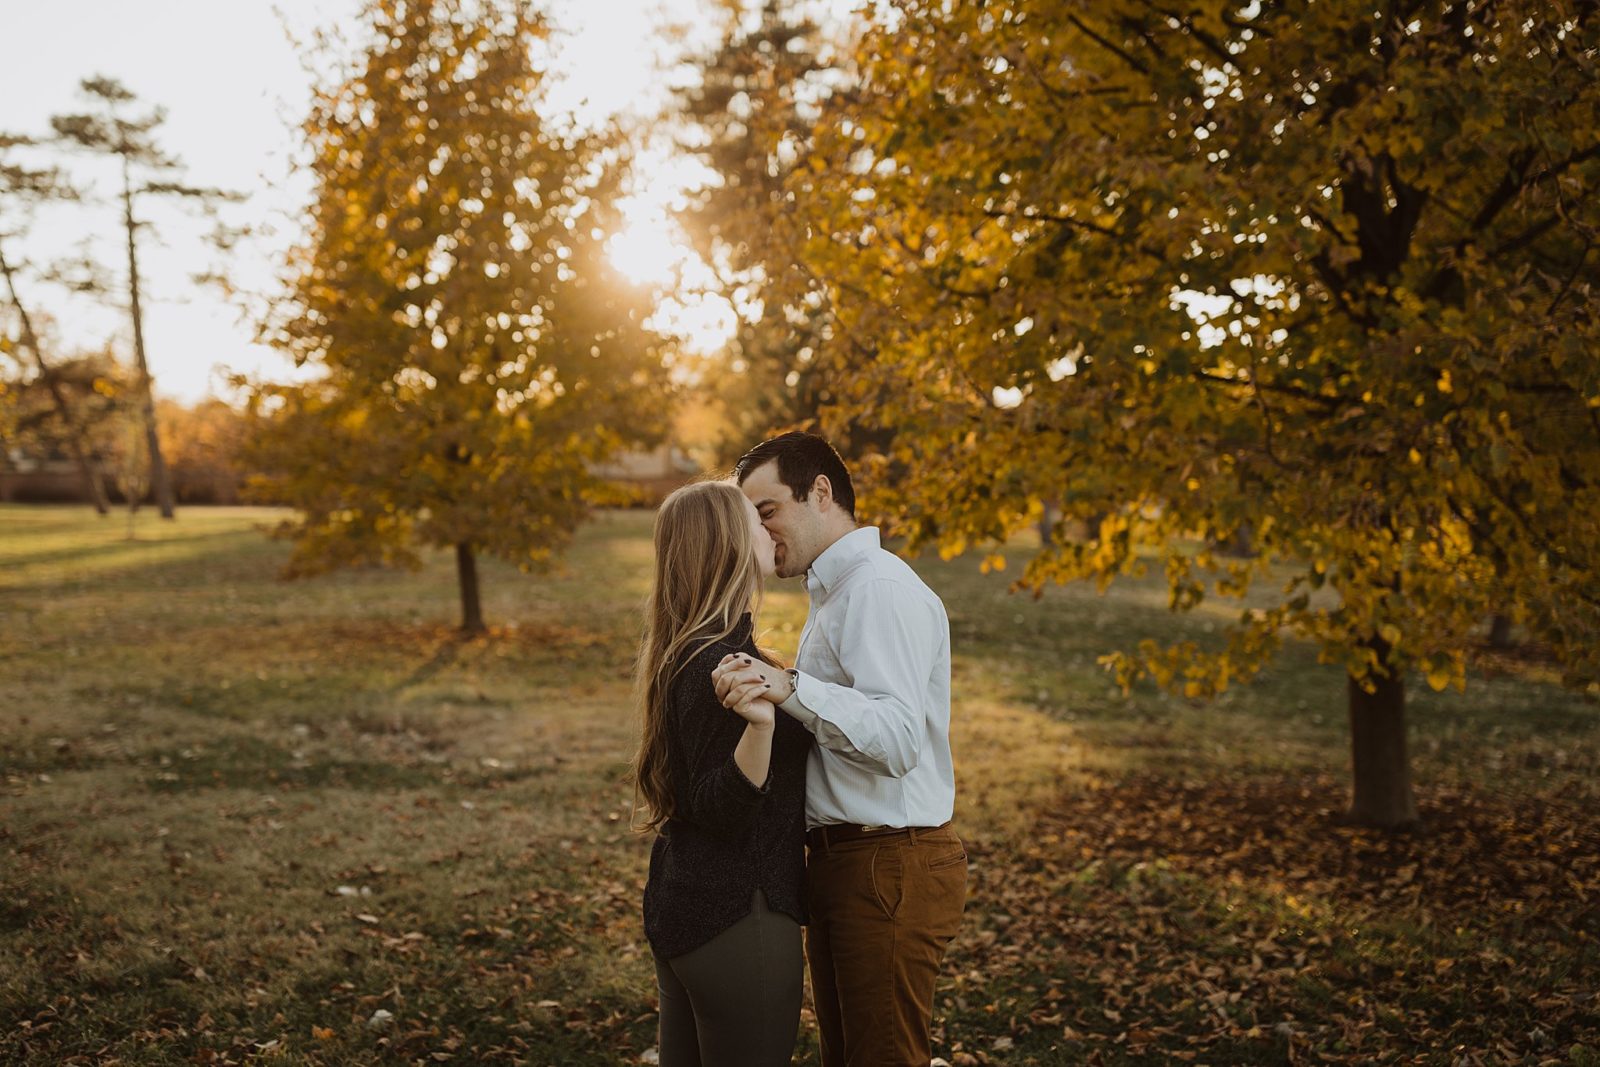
{"type": "Point", "coordinates": [725, 792]}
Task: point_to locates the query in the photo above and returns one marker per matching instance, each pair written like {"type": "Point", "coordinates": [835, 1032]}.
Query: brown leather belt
{"type": "Point", "coordinates": [838, 833]}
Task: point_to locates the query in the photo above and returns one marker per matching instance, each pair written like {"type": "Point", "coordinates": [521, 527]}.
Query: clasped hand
{"type": "Point", "coordinates": [749, 687]}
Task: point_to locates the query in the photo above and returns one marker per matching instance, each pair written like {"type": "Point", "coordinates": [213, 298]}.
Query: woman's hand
{"type": "Point", "coordinates": [759, 713]}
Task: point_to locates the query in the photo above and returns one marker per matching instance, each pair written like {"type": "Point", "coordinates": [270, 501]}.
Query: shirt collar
{"type": "Point", "coordinates": [829, 567]}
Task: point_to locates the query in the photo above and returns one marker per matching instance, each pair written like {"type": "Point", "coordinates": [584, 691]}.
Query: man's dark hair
{"type": "Point", "coordinates": [801, 457]}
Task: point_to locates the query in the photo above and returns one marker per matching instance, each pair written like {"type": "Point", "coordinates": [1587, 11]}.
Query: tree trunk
{"type": "Point", "coordinates": [80, 457]}
{"type": "Point", "coordinates": [1241, 545]}
{"type": "Point", "coordinates": [1381, 793]}
{"type": "Point", "coordinates": [1500, 631]}
{"type": "Point", "coordinates": [471, 605]}
{"type": "Point", "coordinates": [1091, 525]}
{"type": "Point", "coordinates": [160, 480]}
{"type": "Point", "coordinates": [1047, 525]}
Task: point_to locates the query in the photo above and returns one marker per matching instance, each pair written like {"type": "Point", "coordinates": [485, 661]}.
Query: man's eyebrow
{"type": "Point", "coordinates": [764, 501]}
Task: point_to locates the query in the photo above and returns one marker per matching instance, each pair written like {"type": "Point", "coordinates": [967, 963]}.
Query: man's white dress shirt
{"type": "Point", "coordinates": [873, 687]}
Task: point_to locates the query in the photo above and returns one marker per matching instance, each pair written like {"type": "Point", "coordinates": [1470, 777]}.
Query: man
{"type": "Point", "coordinates": [885, 874]}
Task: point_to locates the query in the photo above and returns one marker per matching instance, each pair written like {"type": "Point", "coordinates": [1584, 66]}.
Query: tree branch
{"type": "Point", "coordinates": [1108, 46]}
{"type": "Point", "coordinates": [1212, 45]}
{"type": "Point", "coordinates": [1032, 215]}
{"type": "Point", "coordinates": [1331, 403]}
{"type": "Point", "coordinates": [1577, 268]}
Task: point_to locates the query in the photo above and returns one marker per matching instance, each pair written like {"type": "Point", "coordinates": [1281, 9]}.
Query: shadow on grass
{"type": "Point", "coordinates": [222, 556]}
{"type": "Point", "coordinates": [86, 555]}
{"type": "Point", "coordinates": [406, 761]}
{"type": "Point", "coordinates": [444, 656]}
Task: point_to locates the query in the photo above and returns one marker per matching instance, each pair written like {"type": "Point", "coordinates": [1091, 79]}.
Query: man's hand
{"type": "Point", "coordinates": [740, 678]}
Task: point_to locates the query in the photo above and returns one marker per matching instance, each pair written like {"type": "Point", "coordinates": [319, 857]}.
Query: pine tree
{"type": "Point", "coordinates": [146, 170]}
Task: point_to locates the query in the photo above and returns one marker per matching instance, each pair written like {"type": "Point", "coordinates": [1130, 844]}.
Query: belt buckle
{"type": "Point", "coordinates": [874, 829]}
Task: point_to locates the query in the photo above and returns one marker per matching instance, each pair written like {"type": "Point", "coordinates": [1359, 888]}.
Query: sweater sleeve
{"type": "Point", "coordinates": [721, 799]}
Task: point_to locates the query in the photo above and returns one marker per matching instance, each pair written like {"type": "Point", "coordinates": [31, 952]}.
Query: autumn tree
{"type": "Point", "coordinates": [205, 444]}
{"type": "Point", "coordinates": [755, 98]}
{"type": "Point", "coordinates": [476, 353]}
{"type": "Point", "coordinates": [21, 187]}
{"type": "Point", "coordinates": [1322, 271]}
{"type": "Point", "coordinates": [75, 407]}
{"type": "Point", "coordinates": [145, 171]}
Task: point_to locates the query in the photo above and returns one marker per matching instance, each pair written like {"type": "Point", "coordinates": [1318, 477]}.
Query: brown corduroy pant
{"type": "Point", "coordinates": [883, 909]}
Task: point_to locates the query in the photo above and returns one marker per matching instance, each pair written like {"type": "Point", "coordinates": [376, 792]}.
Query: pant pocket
{"type": "Point", "coordinates": [942, 891]}
{"type": "Point", "coordinates": [888, 878]}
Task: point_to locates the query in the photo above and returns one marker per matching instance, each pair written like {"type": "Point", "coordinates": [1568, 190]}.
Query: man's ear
{"type": "Point", "coordinates": [822, 489]}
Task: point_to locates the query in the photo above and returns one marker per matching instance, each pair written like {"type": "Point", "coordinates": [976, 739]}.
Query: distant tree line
{"type": "Point", "coordinates": [202, 442]}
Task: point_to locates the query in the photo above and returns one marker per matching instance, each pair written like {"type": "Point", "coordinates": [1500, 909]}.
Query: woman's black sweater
{"type": "Point", "coordinates": [726, 837]}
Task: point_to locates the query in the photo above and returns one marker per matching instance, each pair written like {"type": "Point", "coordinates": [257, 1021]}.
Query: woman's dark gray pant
{"type": "Point", "coordinates": [734, 1001]}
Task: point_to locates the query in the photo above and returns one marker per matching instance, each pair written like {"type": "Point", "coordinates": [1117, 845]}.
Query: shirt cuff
{"type": "Point", "coordinates": [808, 694]}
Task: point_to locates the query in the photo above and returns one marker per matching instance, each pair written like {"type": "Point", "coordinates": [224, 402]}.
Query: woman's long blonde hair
{"type": "Point", "coordinates": [707, 576]}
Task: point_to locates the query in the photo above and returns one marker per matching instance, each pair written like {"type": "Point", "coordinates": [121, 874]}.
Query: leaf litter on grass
{"type": "Point", "coordinates": [1241, 920]}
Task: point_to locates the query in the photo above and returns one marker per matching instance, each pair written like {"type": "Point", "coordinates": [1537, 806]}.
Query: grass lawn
{"type": "Point", "coordinates": [306, 822]}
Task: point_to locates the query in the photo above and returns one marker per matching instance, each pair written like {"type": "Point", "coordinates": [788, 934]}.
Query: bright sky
{"type": "Point", "coordinates": [232, 85]}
